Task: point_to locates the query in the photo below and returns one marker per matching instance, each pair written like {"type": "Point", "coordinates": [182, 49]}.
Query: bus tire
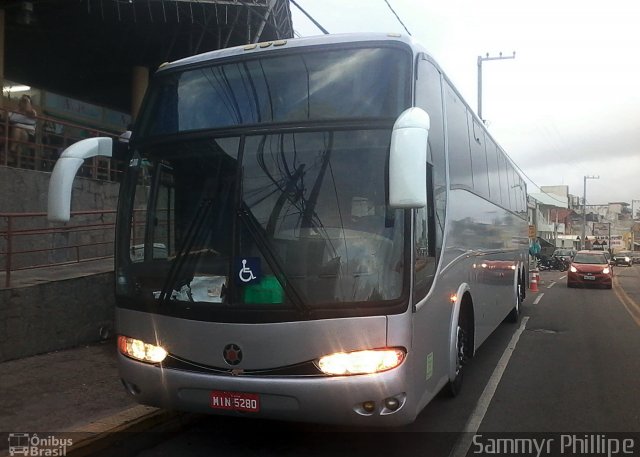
{"type": "Point", "coordinates": [463, 335]}
{"type": "Point", "coordinates": [514, 314]}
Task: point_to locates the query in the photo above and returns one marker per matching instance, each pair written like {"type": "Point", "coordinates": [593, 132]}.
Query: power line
{"type": "Point", "coordinates": [316, 23]}
{"type": "Point", "coordinates": [533, 182]}
{"type": "Point", "coordinates": [397, 17]}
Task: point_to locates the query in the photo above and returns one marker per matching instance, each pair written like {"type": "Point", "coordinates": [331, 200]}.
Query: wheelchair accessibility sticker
{"type": "Point", "coordinates": [247, 270]}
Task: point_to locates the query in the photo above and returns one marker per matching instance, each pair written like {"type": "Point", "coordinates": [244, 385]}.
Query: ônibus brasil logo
{"type": "Point", "coordinates": [30, 444]}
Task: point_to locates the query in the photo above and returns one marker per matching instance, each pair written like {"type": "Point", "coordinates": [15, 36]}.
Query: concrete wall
{"type": "Point", "coordinates": [59, 314]}
{"type": "Point", "coordinates": [26, 191]}
{"type": "Point", "coordinates": [55, 315]}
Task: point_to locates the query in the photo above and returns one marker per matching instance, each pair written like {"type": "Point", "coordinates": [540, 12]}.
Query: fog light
{"type": "Point", "coordinates": [391, 403]}
{"type": "Point", "coordinates": [369, 406]}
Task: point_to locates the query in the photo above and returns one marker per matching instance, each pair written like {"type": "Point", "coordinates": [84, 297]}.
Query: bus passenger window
{"type": "Point", "coordinates": [424, 243]}
{"type": "Point", "coordinates": [458, 134]}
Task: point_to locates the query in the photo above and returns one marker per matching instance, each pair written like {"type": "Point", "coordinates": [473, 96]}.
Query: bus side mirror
{"type": "Point", "coordinates": [408, 160]}
{"type": "Point", "coordinates": [64, 172]}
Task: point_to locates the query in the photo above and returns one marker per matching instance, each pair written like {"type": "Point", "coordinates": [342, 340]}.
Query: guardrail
{"type": "Point", "coordinates": [52, 136]}
{"type": "Point", "coordinates": [30, 241]}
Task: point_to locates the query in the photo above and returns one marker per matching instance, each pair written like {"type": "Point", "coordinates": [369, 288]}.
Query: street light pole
{"type": "Point", "coordinates": [480, 60]}
{"type": "Point", "coordinates": [584, 210]}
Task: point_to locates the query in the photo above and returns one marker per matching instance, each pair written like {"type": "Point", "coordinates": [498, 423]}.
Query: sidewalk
{"type": "Point", "coordinates": [31, 277]}
{"type": "Point", "coordinates": [75, 391]}
{"type": "Point", "coordinates": [60, 390]}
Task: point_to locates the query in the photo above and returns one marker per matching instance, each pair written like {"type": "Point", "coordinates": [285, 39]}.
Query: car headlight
{"type": "Point", "coordinates": [361, 362]}
{"type": "Point", "coordinates": [573, 269]}
{"type": "Point", "coordinates": [139, 350]}
{"type": "Point", "coordinates": [606, 271]}
{"type": "Point", "coordinates": [626, 259]}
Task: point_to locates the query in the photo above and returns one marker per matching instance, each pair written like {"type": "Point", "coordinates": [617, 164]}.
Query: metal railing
{"type": "Point", "coordinates": [52, 136]}
{"type": "Point", "coordinates": [31, 242]}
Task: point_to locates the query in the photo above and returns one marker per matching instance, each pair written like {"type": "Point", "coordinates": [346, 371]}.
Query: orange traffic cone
{"type": "Point", "coordinates": [533, 286]}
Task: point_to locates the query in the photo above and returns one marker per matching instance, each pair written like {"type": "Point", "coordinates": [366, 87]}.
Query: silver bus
{"type": "Point", "coordinates": [315, 229]}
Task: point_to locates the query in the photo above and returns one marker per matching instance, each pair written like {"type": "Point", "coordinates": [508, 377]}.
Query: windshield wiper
{"type": "Point", "coordinates": [255, 230]}
{"type": "Point", "coordinates": [178, 263]}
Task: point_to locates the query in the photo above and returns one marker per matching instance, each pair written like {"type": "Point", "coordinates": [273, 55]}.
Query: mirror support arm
{"type": "Point", "coordinates": [64, 172]}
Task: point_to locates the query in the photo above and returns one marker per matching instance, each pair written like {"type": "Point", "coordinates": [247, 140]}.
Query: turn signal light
{"type": "Point", "coordinates": [361, 362]}
{"type": "Point", "coordinates": [139, 350]}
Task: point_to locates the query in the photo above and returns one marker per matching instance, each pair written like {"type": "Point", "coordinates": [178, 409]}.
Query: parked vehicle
{"type": "Point", "coordinates": [564, 254]}
{"type": "Point", "coordinates": [635, 256]}
{"type": "Point", "coordinates": [623, 258]}
{"type": "Point", "coordinates": [302, 251]}
{"type": "Point", "coordinates": [590, 268]}
{"type": "Point", "coordinates": [553, 263]}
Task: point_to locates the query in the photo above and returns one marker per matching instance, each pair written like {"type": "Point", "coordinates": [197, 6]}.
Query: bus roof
{"type": "Point", "coordinates": [294, 43]}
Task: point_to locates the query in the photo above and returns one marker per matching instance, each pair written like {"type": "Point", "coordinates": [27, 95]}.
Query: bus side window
{"type": "Point", "coordinates": [424, 243]}
{"type": "Point", "coordinates": [429, 98]}
{"type": "Point", "coordinates": [494, 175]}
{"type": "Point", "coordinates": [478, 157]}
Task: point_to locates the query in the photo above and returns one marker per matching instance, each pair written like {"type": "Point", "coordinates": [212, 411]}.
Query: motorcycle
{"type": "Point", "coordinates": [553, 263]}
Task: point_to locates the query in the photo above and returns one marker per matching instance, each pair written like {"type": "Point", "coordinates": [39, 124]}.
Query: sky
{"type": "Point", "coordinates": [566, 107]}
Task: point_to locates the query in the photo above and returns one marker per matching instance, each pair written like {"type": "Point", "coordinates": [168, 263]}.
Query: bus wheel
{"type": "Point", "coordinates": [454, 387]}
{"type": "Point", "coordinates": [514, 315]}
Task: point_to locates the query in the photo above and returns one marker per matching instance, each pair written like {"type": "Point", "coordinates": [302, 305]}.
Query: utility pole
{"type": "Point", "coordinates": [633, 214]}
{"type": "Point", "coordinates": [584, 210]}
{"type": "Point", "coordinates": [480, 60]}
{"type": "Point", "coordinates": [633, 226]}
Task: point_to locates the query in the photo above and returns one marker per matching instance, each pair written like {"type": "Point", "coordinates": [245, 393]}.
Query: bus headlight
{"type": "Point", "coordinates": [139, 350]}
{"type": "Point", "coordinates": [361, 362]}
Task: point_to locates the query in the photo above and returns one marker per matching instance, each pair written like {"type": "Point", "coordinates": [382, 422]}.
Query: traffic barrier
{"type": "Point", "coordinates": [533, 283]}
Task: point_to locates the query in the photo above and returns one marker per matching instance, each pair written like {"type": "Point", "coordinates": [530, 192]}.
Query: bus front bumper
{"type": "Point", "coordinates": [349, 400]}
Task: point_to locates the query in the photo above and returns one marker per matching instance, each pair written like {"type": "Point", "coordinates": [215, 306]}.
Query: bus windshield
{"type": "Point", "coordinates": [358, 83]}
{"type": "Point", "coordinates": [278, 219]}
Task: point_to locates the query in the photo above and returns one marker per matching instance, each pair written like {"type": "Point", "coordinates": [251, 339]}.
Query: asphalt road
{"type": "Point", "coordinates": [571, 367]}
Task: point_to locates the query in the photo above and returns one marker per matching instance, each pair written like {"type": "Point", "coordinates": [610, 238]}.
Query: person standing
{"type": "Point", "coordinates": [22, 123]}
{"type": "Point", "coordinates": [535, 248]}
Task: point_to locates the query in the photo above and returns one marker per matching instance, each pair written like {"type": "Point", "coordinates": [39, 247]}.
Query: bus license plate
{"type": "Point", "coordinates": [235, 401]}
{"type": "Point", "coordinates": [589, 277]}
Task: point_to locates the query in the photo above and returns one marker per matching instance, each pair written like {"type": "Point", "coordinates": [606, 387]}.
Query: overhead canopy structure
{"type": "Point", "coordinates": [87, 48]}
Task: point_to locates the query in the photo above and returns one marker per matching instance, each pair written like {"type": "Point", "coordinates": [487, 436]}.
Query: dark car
{"type": "Point", "coordinates": [564, 254]}
{"type": "Point", "coordinates": [590, 268]}
{"type": "Point", "coordinates": [635, 257]}
{"type": "Point", "coordinates": [623, 258]}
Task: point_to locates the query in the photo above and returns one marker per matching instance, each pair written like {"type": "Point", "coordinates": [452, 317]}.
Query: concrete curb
{"type": "Point", "coordinates": [111, 434]}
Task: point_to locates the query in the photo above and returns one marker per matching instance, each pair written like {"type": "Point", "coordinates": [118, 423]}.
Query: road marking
{"type": "Point", "coordinates": [632, 308]}
{"type": "Point", "coordinates": [563, 277]}
{"type": "Point", "coordinates": [538, 298]}
{"type": "Point", "coordinates": [553, 283]}
{"type": "Point", "coordinates": [473, 424]}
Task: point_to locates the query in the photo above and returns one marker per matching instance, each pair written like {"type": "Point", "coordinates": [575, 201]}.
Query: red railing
{"type": "Point", "coordinates": [51, 137]}
{"type": "Point", "coordinates": [31, 242]}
